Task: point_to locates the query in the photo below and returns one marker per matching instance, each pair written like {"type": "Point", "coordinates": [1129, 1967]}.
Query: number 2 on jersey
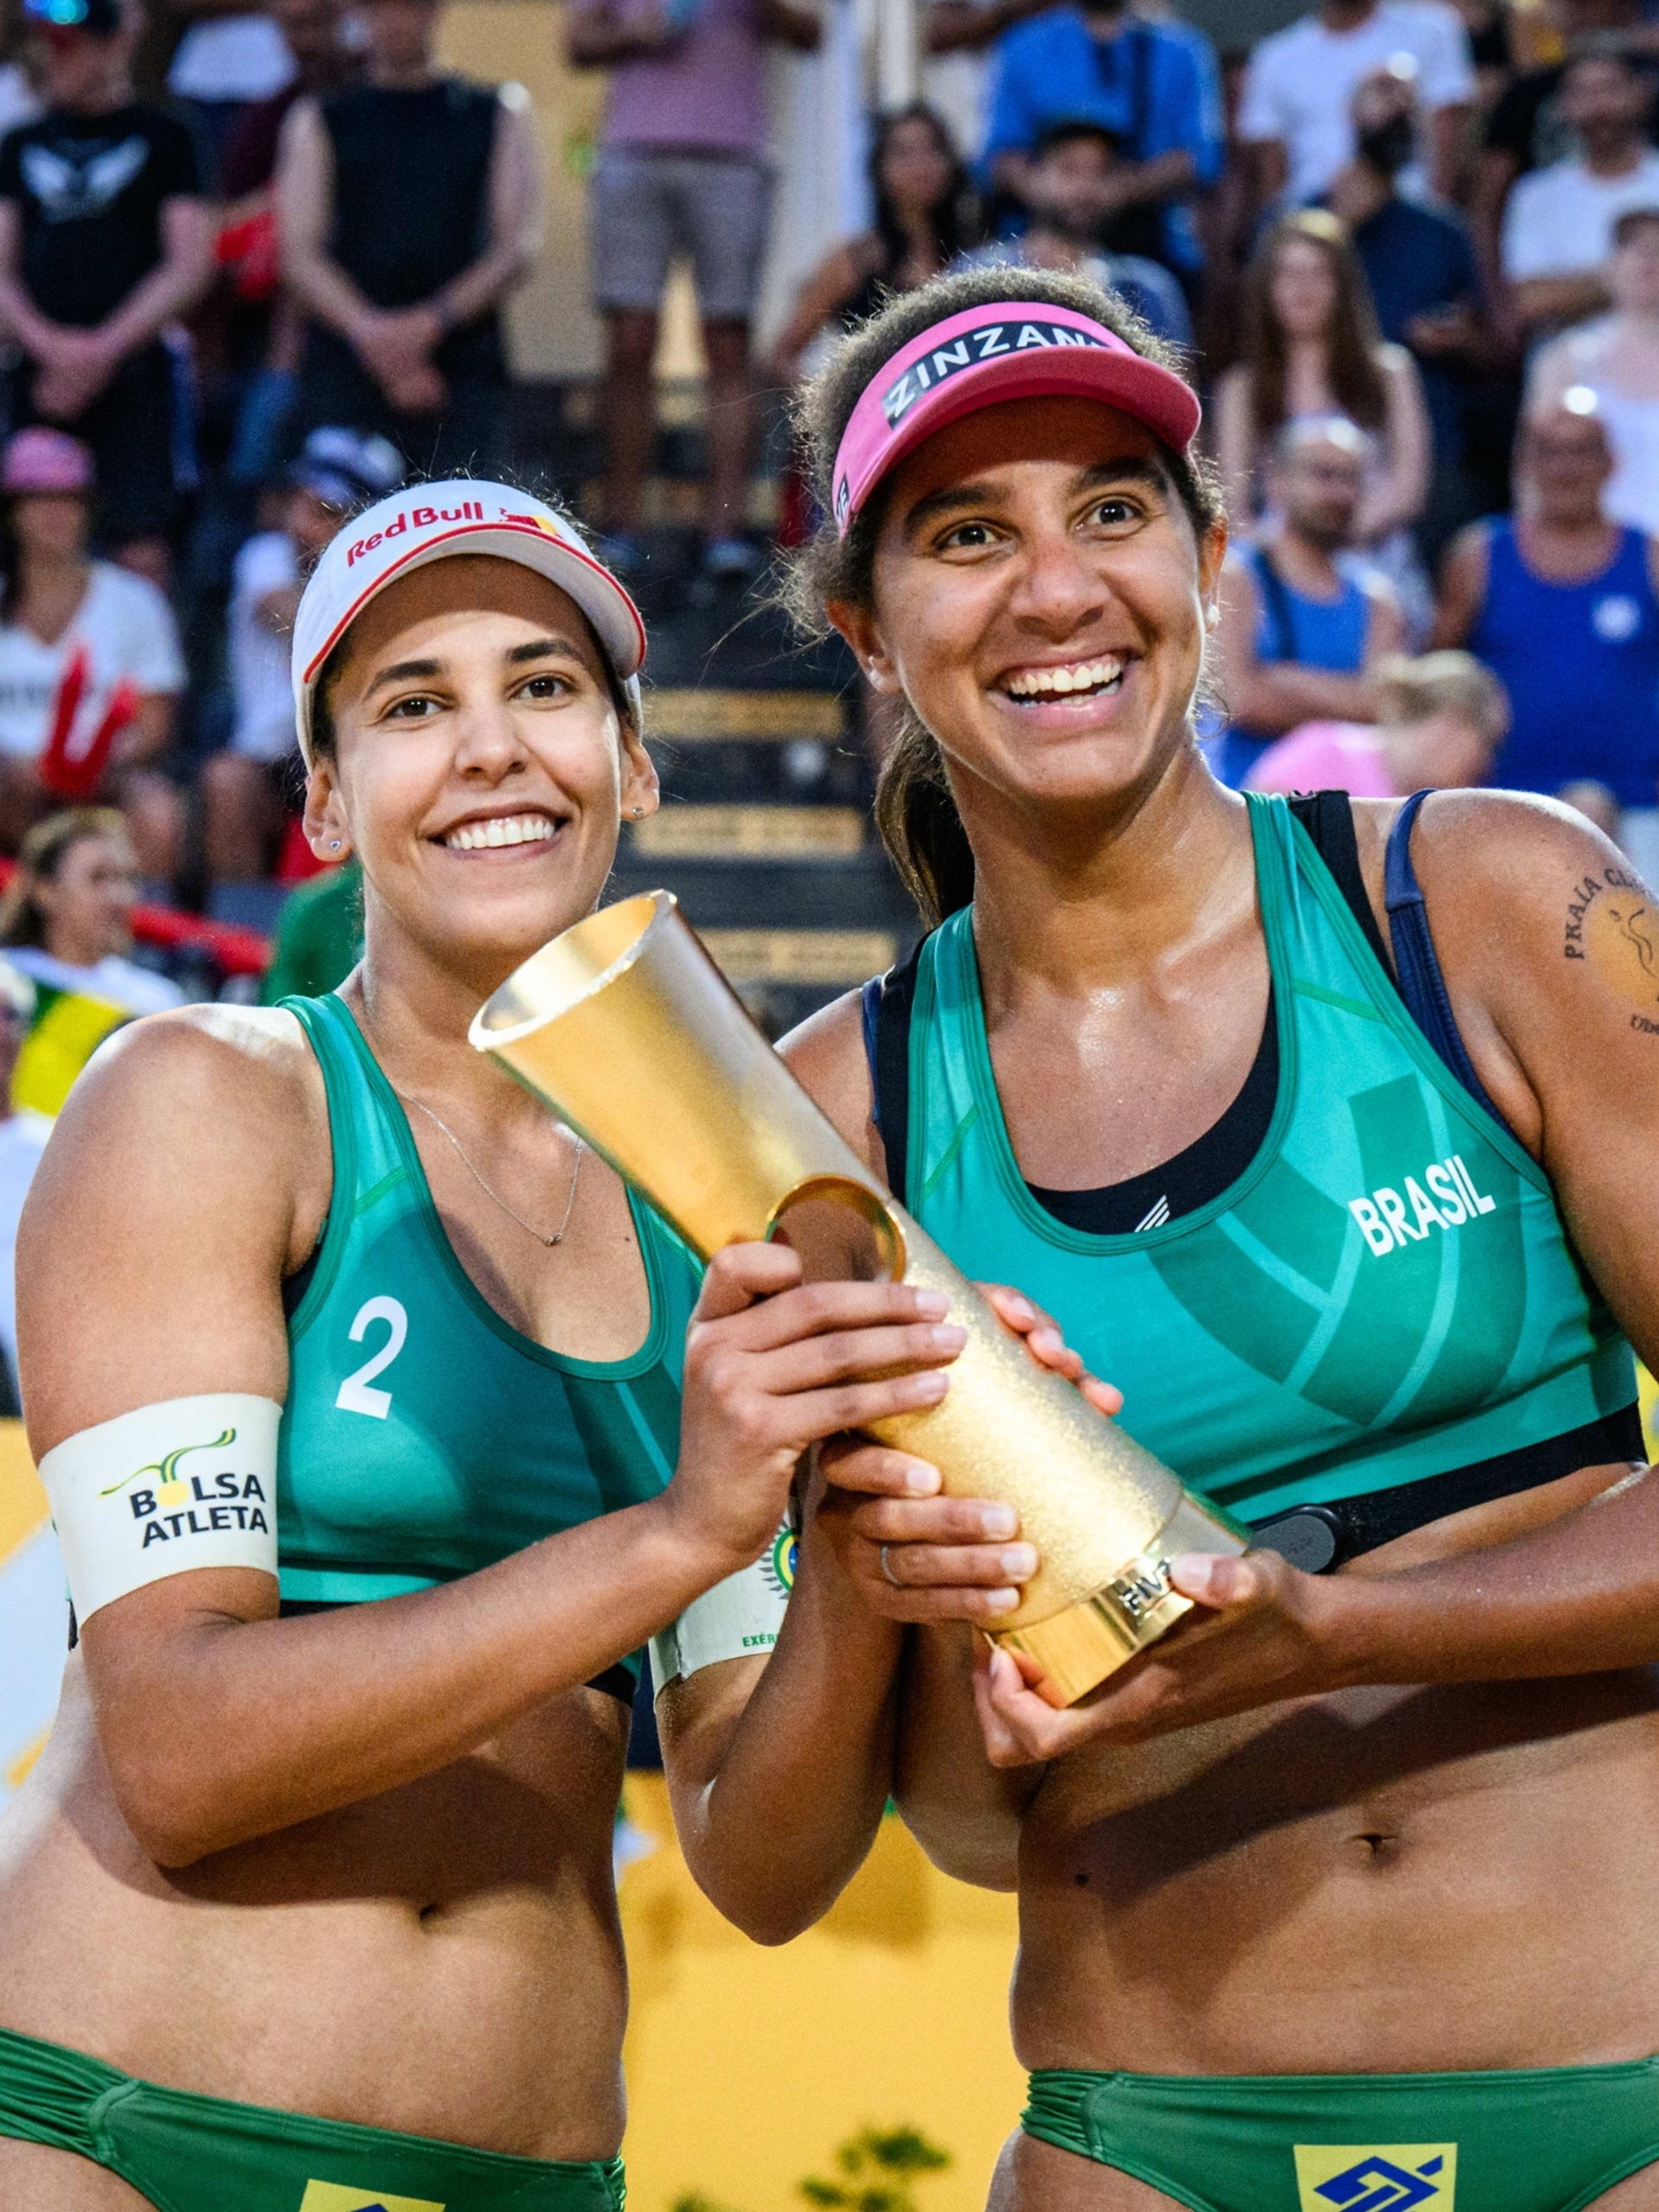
{"type": "Point", "coordinates": [356, 1396]}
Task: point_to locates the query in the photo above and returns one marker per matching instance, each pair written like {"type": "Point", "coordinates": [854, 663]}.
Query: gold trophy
{"type": "Point", "coordinates": [626, 1028]}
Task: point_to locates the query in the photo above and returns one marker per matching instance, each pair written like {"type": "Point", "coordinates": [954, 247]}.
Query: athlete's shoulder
{"type": "Point", "coordinates": [827, 1058]}
{"type": "Point", "coordinates": [220, 1071]}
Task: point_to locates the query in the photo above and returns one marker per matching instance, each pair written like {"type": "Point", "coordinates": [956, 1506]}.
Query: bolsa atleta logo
{"type": "Point", "coordinates": [332, 2196]}
{"type": "Point", "coordinates": [172, 1505]}
{"type": "Point", "coordinates": [1375, 2177]}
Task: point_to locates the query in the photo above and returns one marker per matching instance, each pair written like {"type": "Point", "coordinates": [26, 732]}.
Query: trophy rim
{"type": "Point", "coordinates": [486, 1036]}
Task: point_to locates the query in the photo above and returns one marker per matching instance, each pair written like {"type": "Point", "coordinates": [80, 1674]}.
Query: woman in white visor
{"type": "Point", "coordinates": [356, 1385]}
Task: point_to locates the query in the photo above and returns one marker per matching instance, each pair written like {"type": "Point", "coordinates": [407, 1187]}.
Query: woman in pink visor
{"type": "Point", "coordinates": [1324, 1130]}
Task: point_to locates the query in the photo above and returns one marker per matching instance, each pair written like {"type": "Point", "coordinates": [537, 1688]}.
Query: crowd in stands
{"type": "Point", "coordinates": [253, 262]}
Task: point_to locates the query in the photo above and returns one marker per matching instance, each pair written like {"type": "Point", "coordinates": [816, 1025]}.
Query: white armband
{"type": "Point", "coordinates": [740, 1618]}
{"type": "Point", "coordinates": [189, 1482]}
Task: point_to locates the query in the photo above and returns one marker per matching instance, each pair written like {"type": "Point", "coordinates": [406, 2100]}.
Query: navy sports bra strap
{"type": "Point", "coordinates": [1416, 964]}
{"type": "Point", "coordinates": [886, 1008]}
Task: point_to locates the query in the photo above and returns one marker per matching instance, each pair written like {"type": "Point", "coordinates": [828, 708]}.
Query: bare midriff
{"type": "Point", "coordinates": [1382, 1880]}
{"type": "Point", "coordinates": [444, 1960]}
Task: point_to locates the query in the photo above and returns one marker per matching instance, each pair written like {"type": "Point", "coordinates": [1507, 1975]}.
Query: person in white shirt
{"type": "Point", "coordinates": [1609, 368]}
{"type": "Point", "coordinates": [248, 788]}
{"type": "Point", "coordinates": [1557, 227]}
{"type": "Point", "coordinates": [61, 613]}
{"type": "Point", "coordinates": [230, 57]}
{"type": "Point", "coordinates": [23, 1139]}
{"type": "Point", "coordinates": [1296, 108]}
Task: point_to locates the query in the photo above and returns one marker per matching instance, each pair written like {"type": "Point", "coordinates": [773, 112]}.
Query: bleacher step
{"type": "Point", "coordinates": [689, 831]}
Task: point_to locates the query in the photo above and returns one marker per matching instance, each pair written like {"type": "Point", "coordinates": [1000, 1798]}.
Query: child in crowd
{"type": "Point", "coordinates": [90, 666]}
{"type": "Point", "coordinates": [1439, 721]}
{"type": "Point", "coordinates": [248, 788]}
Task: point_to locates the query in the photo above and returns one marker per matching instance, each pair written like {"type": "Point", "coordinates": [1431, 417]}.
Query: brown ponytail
{"type": "Point", "coordinates": [920, 826]}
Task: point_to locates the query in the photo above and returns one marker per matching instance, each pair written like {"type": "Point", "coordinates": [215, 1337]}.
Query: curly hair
{"type": "Point", "coordinates": [916, 813]}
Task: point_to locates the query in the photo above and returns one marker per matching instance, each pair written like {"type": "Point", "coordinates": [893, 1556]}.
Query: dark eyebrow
{"type": "Point", "coordinates": [539, 648]}
{"type": "Point", "coordinates": [950, 499]}
{"type": "Point", "coordinates": [407, 672]}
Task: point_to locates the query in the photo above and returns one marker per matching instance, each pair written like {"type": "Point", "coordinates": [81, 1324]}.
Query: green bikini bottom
{"type": "Point", "coordinates": [1552, 2140]}
{"type": "Point", "coordinates": [200, 2154]}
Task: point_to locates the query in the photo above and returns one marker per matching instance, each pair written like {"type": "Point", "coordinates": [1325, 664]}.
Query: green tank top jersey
{"type": "Point", "coordinates": [1387, 1293]}
{"type": "Point", "coordinates": [424, 1437]}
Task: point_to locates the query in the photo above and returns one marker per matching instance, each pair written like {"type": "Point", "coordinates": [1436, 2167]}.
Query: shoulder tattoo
{"type": "Point", "coordinates": [1612, 924]}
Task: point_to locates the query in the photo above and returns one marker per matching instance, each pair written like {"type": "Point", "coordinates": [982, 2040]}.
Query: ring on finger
{"type": "Point", "coordinates": [887, 1573]}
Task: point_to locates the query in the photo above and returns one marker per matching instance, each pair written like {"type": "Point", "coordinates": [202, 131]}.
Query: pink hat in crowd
{"type": "Point", "coordinates": [40, 460]}
{"type": "Point", "coordinates": [1005, 349]}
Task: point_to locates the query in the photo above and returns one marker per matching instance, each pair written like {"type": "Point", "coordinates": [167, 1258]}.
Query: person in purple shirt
{"type": "Point", "coordinates": [681, 169]}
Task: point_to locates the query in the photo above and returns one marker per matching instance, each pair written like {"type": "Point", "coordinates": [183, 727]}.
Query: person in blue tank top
{"type": "Point", "coordinates": [1324, 1130]}
{"type": "Point", "coordinates": [381, 1428]}
{"type": "Point", "coordinates": [1301, 618]}
{"type": "Point", "coordinates": [1564, 605]}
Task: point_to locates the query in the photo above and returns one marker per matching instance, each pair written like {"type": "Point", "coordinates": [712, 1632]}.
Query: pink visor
{"type": "Point", "coordinates": [1007, 349]}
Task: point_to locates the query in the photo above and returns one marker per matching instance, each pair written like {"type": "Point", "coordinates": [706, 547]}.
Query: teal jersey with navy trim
{"type": "Point", "coordinates": [1388, 1292]}
{"type": "Point", "coordinates": [425, 1437]}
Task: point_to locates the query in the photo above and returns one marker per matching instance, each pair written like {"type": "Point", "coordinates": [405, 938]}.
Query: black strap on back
{"type": "Point", "coordinates": [887, 1004]}
{"type": "Point", "coordinates": [1328, 817]}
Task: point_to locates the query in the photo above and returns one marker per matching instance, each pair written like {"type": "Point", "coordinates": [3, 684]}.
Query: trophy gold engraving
{"type": "Point", "coordinates": [627, 1029]}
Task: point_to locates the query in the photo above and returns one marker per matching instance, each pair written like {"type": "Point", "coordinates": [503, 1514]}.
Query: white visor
{"type": "Point", "coordinates": [422, 523]}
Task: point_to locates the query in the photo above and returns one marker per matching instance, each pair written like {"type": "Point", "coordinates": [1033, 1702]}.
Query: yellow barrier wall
{"type": "Point", "coordinates": [746, 2067]}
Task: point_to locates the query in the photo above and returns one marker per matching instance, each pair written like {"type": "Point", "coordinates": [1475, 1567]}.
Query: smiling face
{"type": "Point", "coordinates": [1039, 597]}
{"type": "Point", "coordinates": [479, 766]}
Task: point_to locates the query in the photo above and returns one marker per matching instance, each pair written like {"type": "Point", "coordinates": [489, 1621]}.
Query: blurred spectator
{"type": "Point", "coordinates": [105, 236]}
{"type": "Point", "coordinates": [957, 36]}
{"type": "Point", "coordinates": [1312, 349]}
{"type": "Point", "coordinates": [1440, 720]}
{"type": "Point", "coordinates": [230, 57]}
{"type": "Point", "coordinates": [681, 169]}
{"type": "Point", "coordinates": [320, 936]}
{"type": "Point", "coordinates": [264, 331]}
{"type": "Point", "coordinates": [1560, 604]}
{"type": "Point", "coordinates": [66, 923]}
{"type": "Point", "coordinates": [1300, 625]}
{"type": "Point", "coordinates": [23, 1140]}
{"type": "Point", "coordinates": [1557, 227]}
{"type": "Point", "coordinates": [925, 218]}
{"type": "Point", "coordinates": [248, 788]}
{"type": "Point", "coordinates": [1609, 367]}
{"type": "Point", "coordinates": [1154, 86]}
{"type": "Point", "coordinates": [1297, 109]}
{"type": "Point", "coordinates": [408, 207]}
{"type": "Point", "coordinates": [59, 613]}
{"type": "Point", "coordinates": [1420, 267]}
{"type": "Point", "coordinates": [1526, 130]}
{"type": "Point", "coordinates": [1069, 187]}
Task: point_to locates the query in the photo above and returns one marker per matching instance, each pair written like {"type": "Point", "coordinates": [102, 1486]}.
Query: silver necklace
{"type": "Point", "coordinates": [490, 1191]}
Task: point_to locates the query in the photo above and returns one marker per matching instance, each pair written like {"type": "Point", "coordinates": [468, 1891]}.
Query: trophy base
{"type": "Point", "coordinates": [1077, 1647]}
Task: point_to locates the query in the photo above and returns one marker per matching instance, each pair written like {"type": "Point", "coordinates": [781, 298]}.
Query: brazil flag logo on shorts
{"type": "Point", "coordinates": [1377, 2177]}
{"type": "Point", "coordinates": [332, 2196]}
